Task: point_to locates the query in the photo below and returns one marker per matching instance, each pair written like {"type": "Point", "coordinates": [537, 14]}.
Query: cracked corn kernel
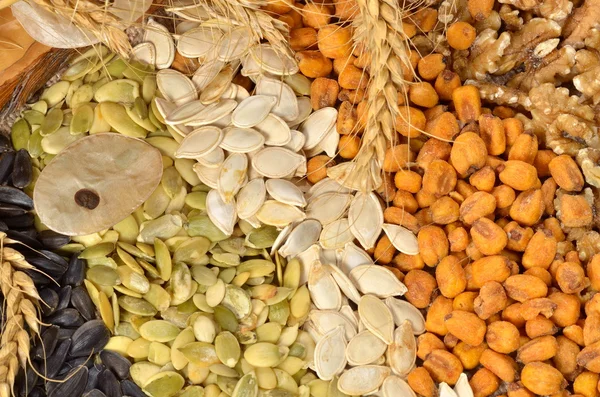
{"type": "Point", "coordinates": [450, 276]}
{"type": "Point", "coordinates": [502, 337]}
{"type": "Point", "coordinates": [313, 64]}
{"type": "Point", "coordinates": [443, 366]}
{"type": "Point", "coordinates": [323, 93]}
{"type": "Point", "coordinates": [433, 244]}
{"type": "Point", "coordinates": [317, 168]}
{"type": "Point", "coordinates": [566, 173]}
{"type": "Point", "coordinates": [542, 379]}
{"type": "Point", "coordinates": [503, 366]}
{"type": "Point", "coordinates": [488, 237]}
{"type": "Point", "coordinates": [484, 383]}
{"type": "Point", "coordinates": [421, 382]}
{"type": "Point", "coordinates": [334, 41]}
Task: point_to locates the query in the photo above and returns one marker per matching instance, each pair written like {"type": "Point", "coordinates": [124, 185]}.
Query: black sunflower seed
{"type": "Point", "coordinates": [37, 392]}
{"type": "Point", "coordinates": [22, 170]}
{"type": "Point", "coordinates": [94, 373]}
{"type": "Point", "coordinates": [55, 258]}
{"type": "Point", "coordinates": [65, 333]}
{"type": "Point", "coordinates": [47, 266]}
{"type": "Point", "coordinates": [10, 210]}
{"type": "Point", "coordinates": [49, 301]}
{"type": "Point", "coordinates": [24, 238]}
{"type": "Point", "coordinates": [75, 273]}
{"type": "Point", "coordinates": [77, 362]}
{"type": "Point", "coordinates": [39, 279]}
{"type": "Point", "coordinates": [74, 384]}
{"type": "Point", "coordinates": [68, 317]}
{"type": "Point", "coordinates": [64, 297]}
{"type": "Point", "coordinates": [81, 301]}
{"type": "Point", "coordinates": [108, 383]}
{"type": "Point", "coordinates": [116, 363]}
{"type": "Point", "coordinates": [26, 381]}
{"type": "Point", "coordinates": [131, 389]}
{"type": "Point", "coordinates": [6, 165]}
{"type": "Point", "coordinates": [46, 347]}
{"type": "Point", "coordinates": [3, 227]}
{"type": "Point", "coordinates": [90, 337]}
{"type": "Point", "coordinates": [5, 144]}
{"type": "Point", "coordinates": [56, 361]}
{"type": "Point", "coordinates": [21, 221]}
{"type": "Point", "coordinates": [53, 240]}
{"type": "Point", "coordinates": [94, 393]}
{"type": "Point", "coordinates": [11, 195]}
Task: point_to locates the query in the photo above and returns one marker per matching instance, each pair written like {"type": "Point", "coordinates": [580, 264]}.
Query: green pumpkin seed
{"type": "Point", "coordinates": [67, 117]}
{"type": "Point", "coordinates": [227, 348]}
{"type": "Point", "coordinates": [157, 203]}
{"type": "Point", "coordinates": [291, 275]}
{"type": "Point", "coordinates": [204, 329]}
{"type": "Point", "coordinates": [57, 141]}
{"type": "Point", "coordinates": [186, 170]}
{"type": "Point", "coordinates": [163, 228]}
{"type": "Point", "coordinates": [79, 69]}
{"type": "Point", "coordinates": [226, 384]}
{"type": "Point", "coordinates": [178, 359]}
{"type": "Point", "coordinates": [159, 354]}
{"type": "Point", "coordinates": [269, 332]}
{"type": "Point", "coordinates": [108, 262]}
{"type": "Point", "coordinates": [135, 251]}
{"type": "Point", "coordinates": [129, 261]}
{"type": "Point", "coordinates": [55, 93]}
{"type": "Point", "coordinates": [263, 354]}
{"type": "Point", "coordinates": [91, 77]}
{"type": "Point", "coordinates": [119, 91]}
{"type": "Point", "coordinates": [226, 319]}
{"type": "Point", "coordinates": [127, 229]}
{"type": "Point", "coordinates": [116, 116]}
{"type": "Point", "coordinates": [192, 391]}
{"type": "Point", "coordinates": [142, 371]}
{"type": "Point", "coordinates": [133, 280]}
{"type": "Point", "coordinates": [126, 291]}
{"type": "Point", "coordinates": [40, 106]}
{"type": "Point", "coordinates": [97, 251]}
{"type": "Point", "coordinates": [227, 275]}
{"type": "Point", "coordinates": [200, 302]}
{"type": "Point", "coordinates": [291, 365]}
{"type": "Point", "coordinates": [247, 337]}
{"type": "Point", "coordinates": [180, 284]}
{"type": "Point", "coordinates": [163, 259]}
{"type": "Point", "coordinates": [118, 344]}
{"type": "Point", "coordinates": [137, 71]}
{"type": "Point", "coordinates": [256, 267]}
{"type": "Point", "coordinates": [171, 181]}
{"type": "Point", "coordinates": [52, 122]}
{"type": "Point", "coordinates": [263, 237]}
{"type": "Point", "coordinates": [200, 353]}
{"type": "Point", "coordinates": [215, 293]}
{"type": "Point", "coordinates": [83, 94]}
{"type": "Point", "coordinates": [279, 312]}
{"type": "Point", "coordinates": [103, 275]}
{"type": "Point", "coordinates": [203, 275]}
{"type": "Point", "coordinates": [99, 83]}
{"type": "Point", "coordinates": [20, 133]}
{"type": "Point", "coordinates": [159, 331]}
{"type": "Point", "coordinates": [300, 302]}
{"type": "Point", "coordinates": [149, 88]}
{"type": "Point", "coordinates": [237, 301]}
{"type": "Point", "coordinates": [33, 117]}
{"type": "Point", "coordinates": [297, 350]}
{"type": "Point", "coordinates": [139, 348]}
{"type": "Point", "coordinates": [158, 297]}
{"type": "Point", "coordinates": [166, 146]}
{"type": "Point", "coordinates": [100, 124]}
{"type": "Point", "coordinates": [137, 306]}
{"type": "Point", "coordinates": [82, 120]}
{"type": "Point", "coordinates": [136, 320]}
{"type": "Point", "coordinates": [145, 123]}
{"type": "Point", "coordinates": [140, 108]}
{"type": "Point", "coordinates": [116, 68]}
{"type": "Point", "coordinates": [192, 251]}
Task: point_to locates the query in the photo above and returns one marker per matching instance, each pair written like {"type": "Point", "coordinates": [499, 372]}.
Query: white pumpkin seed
{"type": "Point", "coordinates": [234, 44]}
{"type": "Point", "coordinates": [301, 237]}
{"type": "Point", "coordinates": [403, 311]}
{"type": "Point", "coordinates": [184, 113]}
{"type": "Point", "coordinates": [275, 131]}
{"type": "Point", "coordinates": [252, 110]}
{"type": "Point", "coordinates": [317, 125]}
{"type": "Point", "coordinates": [376, 316]}
{"type": "Point", "coordinates": [285, 192]}
{"type": "Point", "coordinates": [198, 42]}
{"type": "Point", "coordinates": [376, 280]}
{"type": "Point", "coordinates": [277, 162]}
{"type": "Point", "coordinates": [364, 348]}
{"type": "Point", "coordinates": [366, 218]}
{"type": "Point", "coordinates": [145, 52]}
{"type": "Point", "coordinates": [222, 214]}
{"type": "Point", "coordinates": [328, 207]}
{"type": "Point", "coordinates": [278, 214]}
{"type": "Point", "coordinates": [286, 106]}
{"type": "Point", "coordinates": [402, 353]}
{"type": "Point", "coordinates": [242, 140]}
{"type": "Point", "coordinates": [175, 86]}
{"type": "Point", "coordinates": [402, 239]}
{"type": "Point", "coordinates": [330, 357]}
{"type": "Point", "coordinates": [336, 234]}
{"type": "Point", "coordinates": [199, 142]}
{"type": "Point", "coordinates": [160, 37]}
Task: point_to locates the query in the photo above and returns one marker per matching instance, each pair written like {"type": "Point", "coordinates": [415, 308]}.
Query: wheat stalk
{"type": "Point", "coordinates": [20, 302]}
{"type": "Point", "coordinates": [378, 28]}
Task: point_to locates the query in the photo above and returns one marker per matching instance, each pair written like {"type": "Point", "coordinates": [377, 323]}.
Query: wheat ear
{"type": "Point", "coordinates": [379, 30]}
{"type": "Point", "coordinates": [19, 308]}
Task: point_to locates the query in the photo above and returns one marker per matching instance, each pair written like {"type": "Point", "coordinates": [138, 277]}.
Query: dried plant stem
{"type": "Point", "coordinates": [378, 29]}
{"type": "Point", "coordinates": [20, 301]}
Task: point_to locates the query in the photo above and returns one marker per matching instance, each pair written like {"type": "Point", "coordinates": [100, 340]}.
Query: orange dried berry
{"type": "Point", "coordinates": [566, 173]}
{"type": "Point", "coordinates": [436, 314]}
{"type": "Point", "coordinates": [468, 153]}
{"type": "Point", "coordinates": [458, 239]}
{"type": "Point", "coordinates": [484, 179]}
{"type": "Point", "coordinates": [433, 149]}
{"type": "Point", "coordinates": [421, 382]}
{"type": "Point", "coordinates": [461, 35]}
{"type": "Point", "coordinates": [430, 66]}
{"type": "Point", "coordinates": [542, 379]}
{"type": "Point", "coordinates": [540, 250]}
{"type": "Point", "coordinates": [303, 38]}
{"type": "Point", "coordinates": [334, 41]}
{"type": "Point", "coordinates": [467, 102]}
{"type": "Point", "coordinates": [316, 15]}
{"type": "Point", "coordinates": [323, 93]}
{"type": "Point", "coordinates": [490, 268]}
{"type": "Point", "coordinates": [501, 365]}
{"type": "Point", "coordinates": [384, 250]}
{"type": "Point", "coordinates": [439, 178]}
{"type": "Point", "coordinates": [426, 343]}
{"type": "Point", "coordinates": [522, 287]}
{"type": "Point", "coordinates": [317, 168]}
{"type": "Point", "coordinates": [477, 206]}
{"type": "Point", "coordinates": [484, 383]}
{"type": "Point", "coordinates": [348, 146]}
{"type": "Point", "coordinates": [420, 285]}
{"type": "Point", "coordinates": [352, 78]}
{"type": "Point", "coordinates": [488, 237]}
{"type": "Point", "coordinates": [574, 211]}
{"type": "Point", "coordinates": [450, 276]}
{"type": "Point", "coordinates": [410, 121]}
{"type": "Point", "coordinates": [502, 337]}
{"type": "Point", "coordinates": [491, 300]}
{"type": "Point", "coordinates": [528, 207]}
{"type": "Point", "coordinates": [538, 349]}
{"type": "Point", "coordinates": [408, 180]}
{"type": "Point", "coordinates": [397, 157]}
{"type": "Point", "coordinates": [443, 366]}
{"type": "Point", "coordinates": [491, 130]}
{"type": "Point", "coordinates": [423, 94]}
{"type": "Point", "coordinates": [313, 64]}
{"type": "Point", "coordinates": [433, 244]}
{"type": "Point", "coordinates": [570, 277]}
{"type": "Point", "coordinates": [518, 174]}
{"type": "Point", "coordinates": [445, 84]}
